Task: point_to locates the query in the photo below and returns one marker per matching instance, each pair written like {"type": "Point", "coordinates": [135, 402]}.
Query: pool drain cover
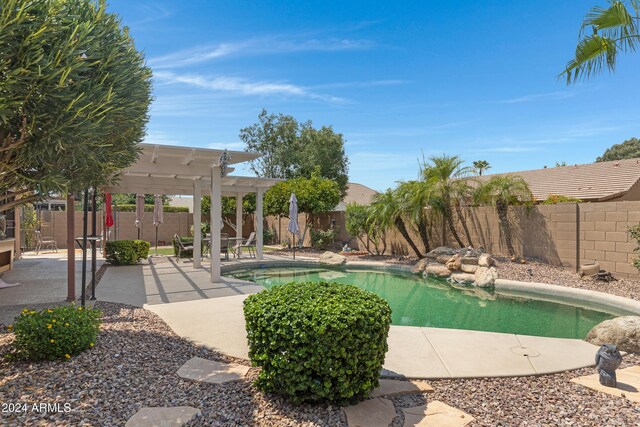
{"type": "Point", "coordinates": [525, 351]}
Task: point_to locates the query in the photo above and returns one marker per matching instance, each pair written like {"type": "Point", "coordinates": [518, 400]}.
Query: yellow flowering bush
{"type": "Point", "coordinates": [55, 333]}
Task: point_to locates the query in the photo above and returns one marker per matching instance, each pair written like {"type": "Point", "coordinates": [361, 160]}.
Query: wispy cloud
{"type": "Point", "coordinates": [257, 46]}
{"type": "Point", "coordinates": [242, 87]}
{"type": "Point", "coordinates": [370, 83]}
{"type": "Point", "coordinates": [539, 97]}
{"type": "Point", "coordinates": [151, 11]}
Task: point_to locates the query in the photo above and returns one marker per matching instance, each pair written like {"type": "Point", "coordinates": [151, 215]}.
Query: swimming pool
{"type": "Point", "coordinates": [419, 301]}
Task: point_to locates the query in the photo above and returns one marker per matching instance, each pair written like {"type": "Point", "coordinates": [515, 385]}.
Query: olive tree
{"type": "Point", "coordinates": [74, 97]}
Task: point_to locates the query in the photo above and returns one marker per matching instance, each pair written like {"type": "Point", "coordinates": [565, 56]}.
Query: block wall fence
{"type": "Point", "coordinates": [567, 234]}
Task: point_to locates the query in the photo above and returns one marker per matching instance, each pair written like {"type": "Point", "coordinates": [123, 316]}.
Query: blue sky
{"type": "Point", "coordinates": [397, 79]}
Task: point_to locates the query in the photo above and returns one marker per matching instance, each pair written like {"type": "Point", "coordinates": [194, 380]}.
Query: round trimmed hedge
{"type": "Point", "coordinates": [317, 341]}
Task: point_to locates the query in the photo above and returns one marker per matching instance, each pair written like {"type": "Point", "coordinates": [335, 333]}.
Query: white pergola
{"type": "Point", "coordinates": [172, 170]}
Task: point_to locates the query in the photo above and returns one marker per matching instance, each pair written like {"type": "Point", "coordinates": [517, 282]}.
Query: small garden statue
{"type": "Point", "coordinates": [608, 359]}
{"type": "Point", "coordinates": [346, 248]}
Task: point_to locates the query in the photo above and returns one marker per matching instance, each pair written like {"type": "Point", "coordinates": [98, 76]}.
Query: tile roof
{"type": "Point", "coordinates": [358, 193]}
{"type": "Point", "coordinates": [592, 181]}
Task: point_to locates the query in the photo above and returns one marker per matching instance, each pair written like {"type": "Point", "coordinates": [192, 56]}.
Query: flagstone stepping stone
{"type": "Point", "coordinates": [209, 371]}
{"type": "Point", "coordinates": [163, 417]}
{"type": "Point", "coordinates": [628, 383]}
{"type": "Point", "coordinates": [370, 413]}
{"type": "Point", "coordinates": [434, 414]}
{"type": "Point", "coordinates": [391, 387]}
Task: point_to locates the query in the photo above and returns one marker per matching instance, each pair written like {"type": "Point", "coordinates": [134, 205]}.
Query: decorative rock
{"type": "Point", "coordinates": [435, 413]}
{"type": "Point", "coordinates": [163, 417]}
{"type": "Point", "coordinates": [454, 263]}
{"type": "Point", "coordinates": [468, 268]}
{"type": "Point", "coordinates": [471, 252]}
{"type": "Point", "coordinates": [443, 259]}
{"type": "Point", "coordinates": [370, 413]}
{"type": "Point", "coordinates": [437, 270]}
{"type": "Point", "coordinates": [396, 387]}
{"type": "Point", "coordinates": [622, 331]}
{"type": "Point", "coordinates": [442, 250]}
{"type": "Point", "coordinates": [469, 260]}
{"type": "Point", "coordinates": [419, 266]}
{"type": "Point", "coordinates": [209, 371]}
{"type": "Point", "coordinates": [485, 260]}
{"type": "Point", "coordinates": [485, 277]}
{"type": "Point", "coordinates": [330, 258]}
{"type": "Point", "coordinates": [464, 278]}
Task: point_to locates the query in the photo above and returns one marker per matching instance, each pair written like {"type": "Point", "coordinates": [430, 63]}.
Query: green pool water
{"type": "Point", "coordinates": [416, 301]}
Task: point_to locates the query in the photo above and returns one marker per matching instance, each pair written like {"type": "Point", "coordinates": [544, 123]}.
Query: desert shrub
{"type": "Point", "coordinates": [634, 233]}
{"type": "Point", "coordinates": [56, 333]}
{"type": "Point", "coordinates": [317, 341]}
{"type": "Point", "coordinates": [126, 252]}
{"type": "Point", "coordinates": [322, 239]}
{"type": "Point", "coordinates": [554, 199]}
{"type": "Point", "coordinates": [268, 235]}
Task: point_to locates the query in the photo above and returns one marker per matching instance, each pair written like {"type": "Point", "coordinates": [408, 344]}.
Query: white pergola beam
{"type": "Point", "coordinates": [259, 225]}
{"type": "Point", "coordinates": [197, 232]}
{"type": "Point", "coordinates": [215, 222]}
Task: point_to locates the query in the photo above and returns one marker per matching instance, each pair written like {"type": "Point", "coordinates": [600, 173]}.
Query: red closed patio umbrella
{"type": "Point", "coordinates": [108, 220]}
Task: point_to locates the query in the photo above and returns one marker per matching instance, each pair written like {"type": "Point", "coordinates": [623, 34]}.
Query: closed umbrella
{"type": "Point", "coordinates": [293, 228]}
{"type": "Point", "coordinates": [139, 212]}
{"type": "Point", "coordinates": [108, 220]}
{"type": "Point", "coordinates": [158, 213]}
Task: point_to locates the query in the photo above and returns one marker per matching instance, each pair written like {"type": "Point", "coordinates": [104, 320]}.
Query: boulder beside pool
{"type": "Point", "coordinates": [330, 258]}
{"type": "Point", "coordinates": [460, 265]}
{"type": "Point", "coordinates": [622, 331]}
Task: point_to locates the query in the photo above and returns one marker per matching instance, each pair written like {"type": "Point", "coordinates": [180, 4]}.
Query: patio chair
{"type": "Point", "coordinates": [247, 244]}
{"type": "Point", "coordinates": [182, 249]}
{"type": "Point", "coordinates": [224, 245]}
{"type": "Point", "coordinates": [47, 242]}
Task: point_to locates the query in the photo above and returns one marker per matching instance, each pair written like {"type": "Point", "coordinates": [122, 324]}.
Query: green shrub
{"type": "Point", "coordinates": [634, 233]}
{"type": "Point", "coordinates": [56, 333]}
{"type": "Point", "coordinates": [126, 252]}
{"type": "Point", "coordinates": [149, 208]}
{"type": "Point", "coordinates": [317, 341]}
{"type": "Point", "coordinates": [268, 235]}
{"type": "Point", "coordinates": [554, 199]}
{"type": "Point", "coordinates": [322, 239]}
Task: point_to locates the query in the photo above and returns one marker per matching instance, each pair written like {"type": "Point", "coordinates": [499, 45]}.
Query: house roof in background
{"type": "Point", "coordinates": [590, 182]}
{"type": "Point", "coordinates": [356, 193]}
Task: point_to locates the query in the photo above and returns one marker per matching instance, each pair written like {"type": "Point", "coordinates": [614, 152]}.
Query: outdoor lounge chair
{"type": "Point", "coordinates": [247, 244]}
{"type": "Point", "coordinates": [47, 242]}
{"type": "Point", "coordinates": [182, 249]}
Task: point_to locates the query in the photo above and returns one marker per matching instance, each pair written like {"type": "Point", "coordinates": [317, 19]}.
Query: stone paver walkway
{"type": "Point", "coordinates": [376, 412]}
{"type": "Point", "coordinates": [209, 371]}
{"type": "Point", "coordinates": [628, 383]}
{"type": "Point", "coordinates": [435, 414]}
{"type": "Point", "coordinates": [395, 387]}
{"type": "Point", "coordinates": [163, 417]}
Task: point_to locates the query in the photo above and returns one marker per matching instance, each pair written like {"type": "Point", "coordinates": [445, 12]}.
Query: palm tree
{"type": "Point", "coordinates": [502, 191]}
{"type": "Point", "coordinates": [481, 166]}
{"type": "Point", "coordinates": [387, 210]}
{"type": "Point", "coordinates": [444, 176]}
{"type": "Point", "coordinates": [615, 29]}
{"type": "Point", "coordinates": [416, 197]}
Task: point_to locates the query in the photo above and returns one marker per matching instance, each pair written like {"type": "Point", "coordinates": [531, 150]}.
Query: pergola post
{"type": "Point", "coordinates": [239, 216]}
{"type": "Point", "coordinates": [197, 232]}
{"type": "Point", "coordinates": [259, 225]}
{"type": "Point", "coordinates": [71, 250]}
{"type": "Point", "coordinates": [216, 213]}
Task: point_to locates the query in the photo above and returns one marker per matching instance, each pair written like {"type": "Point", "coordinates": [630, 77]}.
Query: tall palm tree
{"type": "Point", "coordinates": [444, 175]}
{"type": "Point", "coordinates": [481, 166]}
{"type": "Point", "coordinates": [417, 203]}
{"type": "Point", "coordinates": [502, 191]}
{"type": "Point", "coordinates": [615, 29]}
{"type": "Point", "coordinates": [387, 210]}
